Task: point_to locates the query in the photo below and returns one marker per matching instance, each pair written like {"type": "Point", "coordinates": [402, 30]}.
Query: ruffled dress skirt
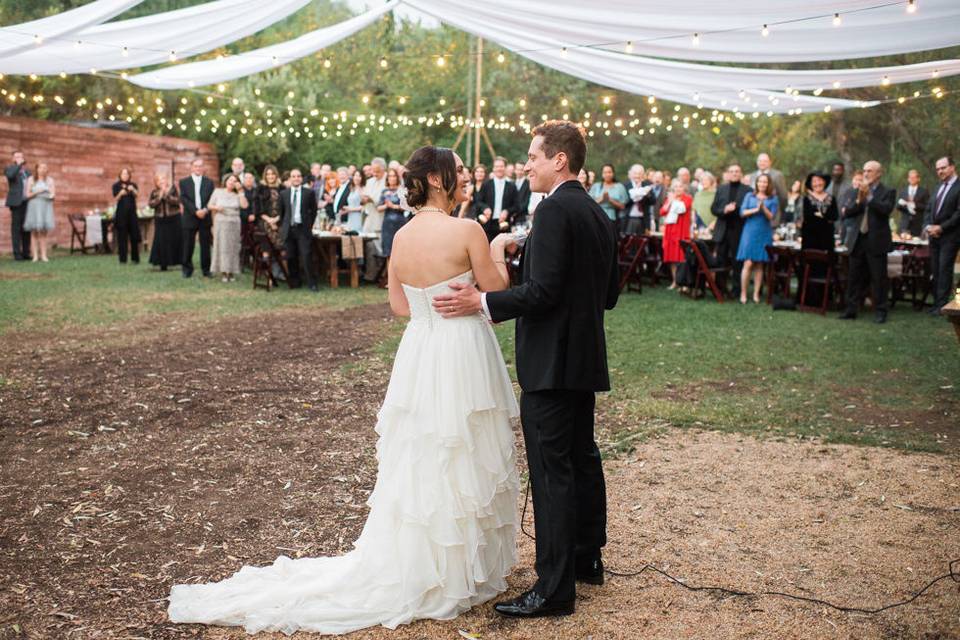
{"type": "Point", "coordinates": [440, 537]}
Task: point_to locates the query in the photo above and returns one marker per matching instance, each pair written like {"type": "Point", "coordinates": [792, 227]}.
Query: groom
{"type": "Point", "coordinates": [569, 278]}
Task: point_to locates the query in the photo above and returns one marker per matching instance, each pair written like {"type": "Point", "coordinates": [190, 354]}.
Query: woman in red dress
{"type": "Point", "coordinates": [676, 226]}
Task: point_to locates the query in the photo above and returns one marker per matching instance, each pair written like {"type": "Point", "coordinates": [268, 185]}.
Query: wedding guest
{"type": "Point", "coordinates": [508, 171]}
{"type": "Point", "coordinates": [839, 187]}
{"type": "Point", "coordinates": [610, 194]}
{"type": "Point", "coordinates": [846, 203]}
{"type": "Point", "coordinates": [351, 215]}
{"type": "Point", "coordinates": [591, 179]}
{"type": "Point", "coordinates": [17, 175]}
{"type": "Point", "coordinates": [236, 168]}
{"type": "Point", "coordinates": [523, 193]}
{"type": "Point", "coordinates": [225, 205]}
{"type": "Point", "coordinates": [658, 194]}
{"type": "Point", "coordinates": [871, 212]}
{"type": "Point", "coordinates": [676, 226]}
{"type": "Point", "coordinates": [703, 201]}
{"type": "Point", "coordinates": [267, 205]}
{"type": "Point", "coordinates": [759, 209]}
{"type": "Point", "coordinates": [367, 171]}
{"type": "Point", "coordinates": [636, 200]}
{"type": "Point", "coordinates": [582, 178]}
{"type": "Point", "coordinates": [473, 206]}
{"type": "Point", "coordinates": [912, 205]}
{"type": "Point", "coordinates": [394, 217]}
{"type": "Point", "coordinates": [499, 197]}
{"type": "Point", "coordinates": [298, 213]}
{"type": "Point", "coordinates": [942, 224]}
{"type": "Point", "coordinates": [817, 215]}
{"type": "Point", "coordinates": [248, 215]}
{"type": "Point", "coordinates": [683, 175]}
{"type": "Point", "coordinates": [39, 221]}
{"type": "Point", "coordinates": [125, 223]}
{"type": "Point", "coordinates": [167, 243]}
{"type": "Point", "coordinates": [778, 182]}
{"type": "Point", "coordinates": [793, 209]}
{"type": "Point", "coordinates": [729, 224]}
{"type": "Point", "coordinates": [195, 192]}
{"type": "Point", "coordinates": [339, 200]}
{"type": "Point", "coordinates": [373, 219]}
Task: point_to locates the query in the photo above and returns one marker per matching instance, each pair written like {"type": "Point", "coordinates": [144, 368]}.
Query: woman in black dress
{"type": "Point", "coordinates": [125, 225]}
{"type": "Point", "coordinates": [266, 211]}
{"type": "Point", "coordinates": [165, 202]}
{"type": "Point", "coordinates": [472, 207]}
{"type": "Point", "coordinates": [817, 217]}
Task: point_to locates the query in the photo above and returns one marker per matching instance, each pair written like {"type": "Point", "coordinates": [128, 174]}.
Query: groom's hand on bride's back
{"type": "Point", "coordinates": [464, 300]}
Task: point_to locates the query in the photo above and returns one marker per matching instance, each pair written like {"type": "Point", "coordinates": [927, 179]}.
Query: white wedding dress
{"type": "Point", "coordinates": [441, 534]}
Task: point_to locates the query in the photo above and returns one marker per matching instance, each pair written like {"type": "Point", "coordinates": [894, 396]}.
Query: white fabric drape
{"type": "Point", "coordinates": [730, 32]}
{"type": "Point", "coordinates": [150, 39]}
{"type": "Point", "coordinates": [699, 75]}
{"type": "Point", "coordinates": [23, 36]}
{"type": "Point", "coordinates": [212, 71]}
{"type": "Point", "coordinates": [619, 71]}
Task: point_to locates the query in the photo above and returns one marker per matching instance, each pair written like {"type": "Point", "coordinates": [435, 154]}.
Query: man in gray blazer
{"type": "Point", "coordinates": [776, 177]}
{"type": "Point", "coordinates": [17, 175]}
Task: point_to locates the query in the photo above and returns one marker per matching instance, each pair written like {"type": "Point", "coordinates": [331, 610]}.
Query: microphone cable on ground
{"type": "Point", "coordinates": [953, 573]}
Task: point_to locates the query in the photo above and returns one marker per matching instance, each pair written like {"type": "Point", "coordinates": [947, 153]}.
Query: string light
{"type": "Point", "coordinates": [501, 58]}
{"type": "Point", "coordinates": [765, 31]}
{"type": "Point", "coordinates": [563, 52]}
{"type": "Point", "coordinates": [911, 6]}
{"type": "Point", "coordinates": [327, 63]}
{"type": "Point", "coordinates": [885, 81]}
{"type": "Point", "coordinates": [37, 40]}
{"type": "Point", "coordinates": [173, 56]}
{"type": "Point", "coordinates": [837, 20]}
{"type": "Point", "coordinates": [629, 47]}
{"type": "Point", "coordinates": [696, 40]}
{"type": "Point", "coordinates": [441, 61]}
{"type": "Point", "coordinates": [383, 63]}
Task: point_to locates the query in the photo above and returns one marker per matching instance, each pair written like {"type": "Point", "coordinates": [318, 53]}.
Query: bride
{"type": "Point", "coordinates": [440, 537]}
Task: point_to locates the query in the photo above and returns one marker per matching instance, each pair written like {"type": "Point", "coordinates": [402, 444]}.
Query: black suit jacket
{"type": "Point", "coordinates": [17, 182]}
{"type": "Point", "coordinates": [912, 223]}
{"type": "Point", "coordinates": [519, 211]}
{"type": "Point", "coordinates": [949, 215]}
{"type": "Point", "coordinates": [729, 225]}
{"type": "Point", "coordinates": [308, 210]}
{"type": "Point", "coordinates": [570, 277]}
{"type": "Point", "coordinates": [333, 209]}
{"type": "Point", "coordinates": [189, 219]}
{"type": "Point", "coordinates": [488, 196]}
{"type": "Point", "coordinates": [878, 211]}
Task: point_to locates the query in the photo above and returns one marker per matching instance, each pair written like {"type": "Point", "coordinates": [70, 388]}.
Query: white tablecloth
{"type": "Point", "coordinates": [94, 233]}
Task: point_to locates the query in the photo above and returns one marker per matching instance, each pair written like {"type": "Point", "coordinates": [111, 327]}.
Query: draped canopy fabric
{"type": "Point", "coordinates": [212, 71]}
{"type": "Point", "coordinates": [729, 33]}
{"type": "Point", "coordinates": [151, 39]}
{"type": "Point", "coordinates": [26, 35]}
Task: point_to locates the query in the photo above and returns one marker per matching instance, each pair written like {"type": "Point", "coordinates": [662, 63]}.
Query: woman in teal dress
{"type": "Point", "coordinates": [610, 194]}
{"type": "Point", "coordinates": [759, 208]}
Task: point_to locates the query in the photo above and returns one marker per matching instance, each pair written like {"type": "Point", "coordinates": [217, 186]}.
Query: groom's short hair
{"type": "Point", "coordinates": [565, 136]}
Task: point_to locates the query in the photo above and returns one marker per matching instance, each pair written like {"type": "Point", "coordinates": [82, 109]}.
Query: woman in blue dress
{"type": "Point", "coordinates": [394, 216]}
{"type": "Point", "coordinates": [759, 209]}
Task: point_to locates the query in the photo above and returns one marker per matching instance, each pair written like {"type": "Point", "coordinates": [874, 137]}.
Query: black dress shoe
{"type": "Point", "coordinates": [847, 315]}
{"type": "Point", "coordinates": [532, 605]}
{"type": "Point", "coordinates": [880, 318]}
{"type": "Point", "coordinates": [590, 572]}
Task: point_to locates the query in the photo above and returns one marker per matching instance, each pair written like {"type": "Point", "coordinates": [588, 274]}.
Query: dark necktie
{"type": "Point", "coordinates": [940, 195]}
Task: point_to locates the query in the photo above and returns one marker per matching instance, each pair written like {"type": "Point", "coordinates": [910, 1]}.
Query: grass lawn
{"type": "Point", "coordinates": [674, 361]}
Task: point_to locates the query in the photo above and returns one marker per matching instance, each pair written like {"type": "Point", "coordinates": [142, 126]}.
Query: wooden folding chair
{"type": "Point", "coordinates": [809, 258]}
{"type": "Point", "coordinates": [916, 278]}
{"type": "Point", "coordinates": [78, 233]}
{"type": "Point", "coordinates": [263, 264]}
{"type": "Point", "coordinates": [780, 270]}
{"type": "Point", "coordinates": [706, 274]}
{"type": "Point", "coordinates": [630, 261]}
{"type": "Point", "coordinates": [653, 258]}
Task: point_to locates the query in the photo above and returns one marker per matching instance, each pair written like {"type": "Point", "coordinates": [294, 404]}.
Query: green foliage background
{"type": "Point", "coordinates": [902, 136]}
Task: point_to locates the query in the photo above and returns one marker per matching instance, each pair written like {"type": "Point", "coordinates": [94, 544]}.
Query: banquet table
{"type": "Point", "coordinates": [333, 247]}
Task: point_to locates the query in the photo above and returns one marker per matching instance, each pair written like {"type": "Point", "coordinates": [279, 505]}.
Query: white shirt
{"type": "Point", "coordinates": [519, 183]}
{"type": "Point", "coordinates": [196, 189]}
{"type": "Point", "coordinates": [911, 192]}
{"type": "Point", "coordinates": [499, 186]}
{"type": "Point", "coordinates": [295, 205]}
{"type": "Point", "coordinates": [635, 211]}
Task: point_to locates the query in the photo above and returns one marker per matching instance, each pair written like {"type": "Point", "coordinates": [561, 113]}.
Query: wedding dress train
{"type": "Point", "coordinates": [440, 537]}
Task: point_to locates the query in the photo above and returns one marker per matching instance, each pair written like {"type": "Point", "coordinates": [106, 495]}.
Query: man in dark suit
{"type": "Point", "coordinates": [195, 192]}
{"type": "Point", "coordinates": [17, 175]}
{"type": "Point", "coordinates": [570, 278]}
{"type": "Point", "coordinates": [339, 199]}
{"type": "Point", "coordinates": [912, 205]}
{"type": "Point", "coordinates": [870, 242]}
{"type": "Point", "coordinates": [298, 211]}
{"type": "Point", "coordinates": [522, 205]}
{"type": "Point", "coordinates": [729, 224]}
{"type": "Point", "coordinates": [499, 196]}
{"type": "Point", "coordinates": [654, 201]}
{"type": "Point", "coordinates": [942, 225]}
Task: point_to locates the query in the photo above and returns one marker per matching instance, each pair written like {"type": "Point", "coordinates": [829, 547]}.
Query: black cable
{"type": "Point", "coordinates": [953, 573]}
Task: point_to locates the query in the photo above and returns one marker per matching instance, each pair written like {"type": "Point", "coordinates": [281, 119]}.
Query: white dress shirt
{"type": "Point", "coordinates": [196, 190]}
{"type": "Point", "coordinates": [295, 205]}
{"type": "Point", "coordinates": [499, 186]}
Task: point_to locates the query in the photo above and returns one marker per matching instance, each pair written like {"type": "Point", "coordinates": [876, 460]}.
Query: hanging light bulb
{"type": "Point", "coordinates": [765, 31]}
{"type": "Point", "coordinates": [935, 73]}
{"type": "Point", "coordinates": [563, 52]}
{"type": "Point", "coordinates": [523, 102]}
{"type": "Point", "coordinates": [911, 6]}
{"type": "Point", "coordinates": [837, 20]}
{"type": "Point", "coordinates": [327, 63]}
{"type": "Point", "coordinates": [501, 58]}
{"type": "Point", "coordinates": [885, 81]}
{"type": "Point", "coordinates": [696, 40]}
{"type": "Point", "coordinates": [125, 52]}
{"type": "Point", "coordinates": [836, 84]}
{"type": "Point", "coordinates": [383, 63]}
{"type": "Point", "coordinates": [173, 56]}
{"type": "Point", "coordinates": [441, 61]}
{"type": "Point", "coordinates": [629, 47]}
{"type": "Point", "coordinates": [37, 40]}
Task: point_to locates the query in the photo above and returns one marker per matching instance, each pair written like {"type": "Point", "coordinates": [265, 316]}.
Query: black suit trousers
{"type": "Point", "coordinates": [189, 241]}
{"type": "Point", "coordinates": [943, 253]}
{"type": "Point", "coordinates": [18, 237]}
{"type": "Point", "coordinates": [569, 494]}
{"type": "Point", "coordinates": [727, 254]}
{"type": "Point", "coordinates": [127, 231]}
{"type": "Point", "coordinates": [299, 247]}
{"type": "Point", "coordinates": [866, 266]}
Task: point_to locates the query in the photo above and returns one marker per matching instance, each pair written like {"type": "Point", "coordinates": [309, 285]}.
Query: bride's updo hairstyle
{"type": "Point", "coordinates": [424, 161]}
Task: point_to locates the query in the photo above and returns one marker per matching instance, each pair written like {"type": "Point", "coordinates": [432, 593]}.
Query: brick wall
{"type": "Point", "coordinates": [84, 163]}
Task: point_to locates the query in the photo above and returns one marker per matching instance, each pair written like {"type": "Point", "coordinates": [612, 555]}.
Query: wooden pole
{"type": "Point", "coordinates": [478, 122]}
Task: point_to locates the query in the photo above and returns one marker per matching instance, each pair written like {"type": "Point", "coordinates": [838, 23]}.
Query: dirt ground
{"type": "Point", "coordinates": [145, 455]}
